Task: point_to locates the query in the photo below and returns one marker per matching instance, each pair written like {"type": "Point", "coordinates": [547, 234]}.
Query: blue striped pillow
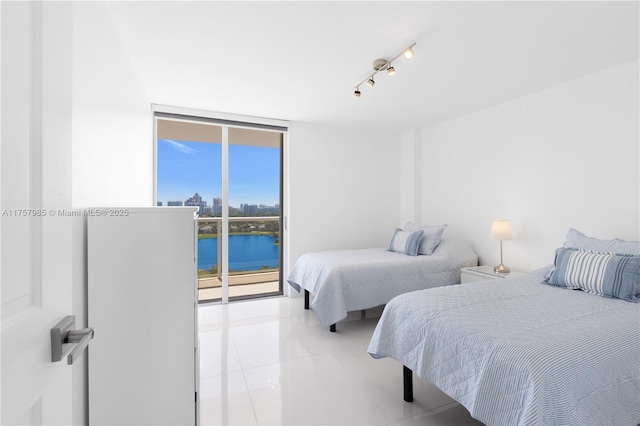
{"type": "Point", "coordinates": [605, 274]}
{"type": "Point", "coordinates": [406, 242]}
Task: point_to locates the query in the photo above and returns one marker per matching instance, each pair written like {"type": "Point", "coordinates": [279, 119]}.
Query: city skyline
{"type": "Point", "coordinates": [216, 206]}
{"type": "Point", "coordinates": [185, 168]}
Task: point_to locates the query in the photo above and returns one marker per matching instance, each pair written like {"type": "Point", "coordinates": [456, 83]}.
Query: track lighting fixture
{"type": "Point", "coordinates": [384, 65]}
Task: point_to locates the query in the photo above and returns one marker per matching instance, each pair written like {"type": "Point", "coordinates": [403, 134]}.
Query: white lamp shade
{"type": "Point", "coordinates": [500, 230]}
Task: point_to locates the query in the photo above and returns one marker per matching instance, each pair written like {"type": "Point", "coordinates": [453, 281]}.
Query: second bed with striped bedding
{"type": "Point", "coordinates": [520, 352]}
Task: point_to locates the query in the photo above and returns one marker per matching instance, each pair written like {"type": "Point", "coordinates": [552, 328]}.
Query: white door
{"type": "Point", "coordinates": [143, 306]}
{"type": "Point", "coordinates": [36, 247]}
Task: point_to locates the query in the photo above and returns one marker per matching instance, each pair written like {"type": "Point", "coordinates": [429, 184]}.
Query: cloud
{"type": "Point", "coordinates": [180, 147]}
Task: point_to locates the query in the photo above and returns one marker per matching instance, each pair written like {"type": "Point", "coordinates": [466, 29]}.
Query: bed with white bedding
{"type": "Point", "coordinates": [342, 281]}
{"type": "Point", "coordinates": [520, 352]}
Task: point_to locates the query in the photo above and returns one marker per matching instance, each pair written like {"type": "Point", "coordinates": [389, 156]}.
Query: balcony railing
{"type": "Point", "coordinates": [211, 227]}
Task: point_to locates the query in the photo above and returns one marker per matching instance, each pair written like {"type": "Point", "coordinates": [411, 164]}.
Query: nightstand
{"type": "Point", "coordinates": [482, 273]}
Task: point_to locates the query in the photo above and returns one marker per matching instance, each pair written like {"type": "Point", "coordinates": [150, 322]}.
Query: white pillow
{"type": "Point", "coordinates": [578, 240]}
{"type": "Point", "coordinates": [430, 239]}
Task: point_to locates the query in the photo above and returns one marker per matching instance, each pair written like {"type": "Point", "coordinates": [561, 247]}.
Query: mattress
{"type": "Point", "coordinates": [342, 281]}
{"type": "Point", "coordinates": [519, 352]}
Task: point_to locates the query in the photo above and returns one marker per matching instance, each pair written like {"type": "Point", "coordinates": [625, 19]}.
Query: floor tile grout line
{"type": "Point", "coordinates": [253, 407]}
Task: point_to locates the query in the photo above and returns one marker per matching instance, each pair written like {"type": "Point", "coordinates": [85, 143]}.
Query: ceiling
{"type": "Point", "coordinates": [300, 61]}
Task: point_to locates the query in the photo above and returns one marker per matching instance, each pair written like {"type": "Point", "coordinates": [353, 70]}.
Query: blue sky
{"type": "Point", "coordinates": [185, 168]}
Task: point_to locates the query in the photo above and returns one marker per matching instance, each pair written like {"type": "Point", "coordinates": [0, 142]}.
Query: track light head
{"type": "Point", "coordinates": [408, 53]}
{"type": "Point", "coordinates": [391, 71]}
{"type": "Point", "coordinates": [356, 93]}
{"type": "Point", "coordinates": [370, 82]}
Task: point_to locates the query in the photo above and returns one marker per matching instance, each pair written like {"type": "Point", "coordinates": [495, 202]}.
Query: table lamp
{"type": "Point", "coordinates": [500, 230]}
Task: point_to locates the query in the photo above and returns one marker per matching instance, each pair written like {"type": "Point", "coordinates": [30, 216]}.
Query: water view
{"type": "Point", "coordinates": [190, 173]}
{"type": "Point", "coordinates": [246, 253]}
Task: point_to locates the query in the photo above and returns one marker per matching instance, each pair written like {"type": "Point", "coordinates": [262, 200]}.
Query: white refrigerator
{"type": "Point", "coordinates": [142, 305]}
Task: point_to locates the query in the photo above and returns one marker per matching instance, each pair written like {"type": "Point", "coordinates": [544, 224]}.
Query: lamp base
{"type": "Point", "coordinates": [501, 269]}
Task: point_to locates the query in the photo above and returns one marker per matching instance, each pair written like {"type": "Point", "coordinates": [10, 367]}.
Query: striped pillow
{"type": "Point", "coordinates": [605, 274]}
{"type": "Point", "coordinates": [430, 239]}
{"type": "Point", "coordinates": [406, 242]}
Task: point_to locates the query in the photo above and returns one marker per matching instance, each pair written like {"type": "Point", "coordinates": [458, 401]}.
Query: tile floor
{"type": "Point", "coordinates": [269, 362]}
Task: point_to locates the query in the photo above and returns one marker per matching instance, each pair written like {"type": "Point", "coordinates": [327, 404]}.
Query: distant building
{"type": "Point", "coordinates": [249, 208]}
{"type": "Point", "coordinates": [196, 200]}
{"type": "Point", "coordinates": [216, 210]}
{"type": "Point", "coordinates": [159, 203]}
{"type": "Point", "coordinates": [268, 209]}
{"type": "Point", "coordinates": [174, 203]}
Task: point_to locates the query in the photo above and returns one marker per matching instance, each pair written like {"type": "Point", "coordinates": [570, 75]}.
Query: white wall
{"type": "Point", "coordinates": [411, 176]}
{"type": "Point", "coordinates": [564, 157]}
{"type": "Point", "coordinates": [343, 188]}
{"type": "Point", "coordinates": [112, 117]}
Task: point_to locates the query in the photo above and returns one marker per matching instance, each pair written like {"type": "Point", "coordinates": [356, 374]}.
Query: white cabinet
{"type": "Point", "coordinates": [482, 273]}
{"type": "Point", "coordinates": [142, 304]}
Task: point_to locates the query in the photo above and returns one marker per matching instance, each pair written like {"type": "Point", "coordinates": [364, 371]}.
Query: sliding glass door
{"type": "Point", "coordinates": [233, 173]}
{"type": "Point", "coordinates": [254, 211]}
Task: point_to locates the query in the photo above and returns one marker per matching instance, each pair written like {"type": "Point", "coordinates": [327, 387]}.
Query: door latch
{"type": "Point", "coordinates": [67, 341]}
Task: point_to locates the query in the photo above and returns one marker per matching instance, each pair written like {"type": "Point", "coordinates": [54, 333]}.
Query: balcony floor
{"type": "Point", "coordinates": [239, 285]}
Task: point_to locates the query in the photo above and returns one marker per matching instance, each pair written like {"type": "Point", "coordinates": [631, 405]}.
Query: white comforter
{"type": "Point", "coordinates": [518, 352]}
{"type": "Point", "coordinates": [342, 281]}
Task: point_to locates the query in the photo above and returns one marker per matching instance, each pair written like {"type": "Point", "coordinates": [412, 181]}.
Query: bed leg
{"type": "Point", "coordinates": [306, 299]}
{"type": "Point", "coordinates": [332, 328]}
{"type": "Point", "coordinates": [407, 381]}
